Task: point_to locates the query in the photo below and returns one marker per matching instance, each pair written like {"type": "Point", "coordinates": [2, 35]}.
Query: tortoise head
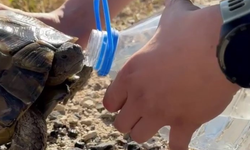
{"type": "Point", "coordinates": [68, 61]}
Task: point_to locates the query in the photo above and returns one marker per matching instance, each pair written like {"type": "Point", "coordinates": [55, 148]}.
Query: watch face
{"type": "Point", "coordinates": [237, 55]}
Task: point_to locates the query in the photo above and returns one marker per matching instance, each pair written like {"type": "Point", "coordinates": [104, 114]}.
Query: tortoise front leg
{"type": "Point", "coordinates": [50, 97]}
{"type": "Point", "coordinates": [30, 132]}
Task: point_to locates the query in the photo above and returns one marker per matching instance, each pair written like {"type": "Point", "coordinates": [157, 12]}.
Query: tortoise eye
{"type": "Point", "coordinates": [64, 56]}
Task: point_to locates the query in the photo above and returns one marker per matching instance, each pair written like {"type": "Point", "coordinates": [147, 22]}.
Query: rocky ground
{"type": "Point", "coordinates": [83, 123]}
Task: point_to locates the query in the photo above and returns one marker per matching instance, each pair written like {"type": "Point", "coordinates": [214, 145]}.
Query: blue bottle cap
{"type": "Point", "coordinates": [110, 40]}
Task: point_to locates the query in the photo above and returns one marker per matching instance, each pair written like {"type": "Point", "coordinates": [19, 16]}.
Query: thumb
{"type": "Point", "coordinates": [180, 136]}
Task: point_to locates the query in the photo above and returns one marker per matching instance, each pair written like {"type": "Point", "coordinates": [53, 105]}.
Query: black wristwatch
{"type": "Point", "coordinates": [233, 51]}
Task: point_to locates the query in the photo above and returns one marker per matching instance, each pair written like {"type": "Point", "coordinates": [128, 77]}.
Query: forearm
{"type": "Point", "coordinates": [83, 11]}
{"type": "Point", "coordinates": [76, 17]}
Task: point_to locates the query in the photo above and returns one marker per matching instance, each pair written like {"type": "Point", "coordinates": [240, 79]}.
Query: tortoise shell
{"type": "Point", "coordinates": [33, 54]}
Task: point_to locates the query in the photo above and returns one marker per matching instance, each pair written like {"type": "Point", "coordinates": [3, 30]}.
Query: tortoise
{"type": "Point", "coordinates": [39, 68]}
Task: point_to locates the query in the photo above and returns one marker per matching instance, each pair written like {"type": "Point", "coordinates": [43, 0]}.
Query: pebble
{"type": "Point", "coordinates": [133, 146]}
{"type": "Point", "coordinates": [74, 109]}
{"type": "Point", "coordinates": [103, 146]}
{"type": "Point", "coordinates": [72, 133]}
{"type": "Point", "coordinates": [60, 108]}
{"type": "Point", "coordinates": [90, 135]}
{"type": "Point", "coordinates": [88, 104]}
{"type": "Point", "coordinates": [97, 87]}
{"type": "Point", "coordinates": [115, 134]}
{"type": "Point", "coordinates": [80, 144]}
{"type": "Point", "coordinates": [73, 121]}
{"type": "Point", "coordinates": [63, 131]}
{"type": "Point", "coordinates": [58, 124]}
{"type": "Point", "coordinates": [62, 144]}
{"type": "Point", "coordinates": [78, 116]}
{"type": "Point", "coordinates": [54, 134]}
{"type": "Point", "coordinates": [75, 148]}
{"type": "Point", "coordinates": [54, 115]}
{"type": "Point", "coordinates": [87, 121]}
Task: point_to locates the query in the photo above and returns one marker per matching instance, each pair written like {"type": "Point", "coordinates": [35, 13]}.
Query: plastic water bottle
{"type": "Point", "coordinates": [228, 131]}
{"type": "Point", "coordinates": [107, 51]}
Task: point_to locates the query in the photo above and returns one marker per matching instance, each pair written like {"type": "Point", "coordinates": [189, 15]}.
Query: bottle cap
{"type": "Point", "coordinates": [106, 54]}
{"type": "Point", "coordinates": [109, 42]}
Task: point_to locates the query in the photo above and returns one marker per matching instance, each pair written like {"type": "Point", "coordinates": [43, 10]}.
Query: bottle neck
{"type": "Point", "coordinates": [100, 53]}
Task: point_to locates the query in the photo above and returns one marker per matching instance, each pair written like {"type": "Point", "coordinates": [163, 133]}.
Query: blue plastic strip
{"type": "Point", "coordinates": [109, 44]}
{"type": "Point", "coordinates": [97, 14]}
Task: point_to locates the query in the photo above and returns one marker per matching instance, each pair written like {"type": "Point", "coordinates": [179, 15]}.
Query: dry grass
{"type": "Point", "coordinates": [34, 5]}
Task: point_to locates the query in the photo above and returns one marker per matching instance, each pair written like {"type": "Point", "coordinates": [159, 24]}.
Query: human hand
{"type": "Point", "coordinates": [173, 80]}
{"type": "Point", "coordinates": [64, 20]}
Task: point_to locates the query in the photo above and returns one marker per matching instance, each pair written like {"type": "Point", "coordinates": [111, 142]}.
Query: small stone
{"type": "Point", "coordinates": [75, 148]}
{"type": "Point", "coordinates": [60, 108]}
{"type": "Point", "coordinates": [80, 144]}
{"type": "Point", "coordinates": [54, 134]}
{"type": "Point", "coordinates": [103, 146]}
{"type": "Point", "coordinates": [106, 115]}
{"type": "Point", "coordinates": [121, 141]}
{"type": "Point", "coordinates": [92, 128]}
{"type": "Point", "coordinates": [97, 87]}
{"type": "Point", "coordinates": [63, 131]}
{"type": "Point", "coordinates": [78, 116]}
{"type": "Point", "coordinates": [90, 135]}
{"type": "Point", "coordinates": [74, 109]}
{"type": "Point", "coordinates": [115, 134]}
{"type": "Point", "coordinates": [73, 121]}
{"type": "Point", "coordinates": [88, 104]}
{"type": "Point", "coordinates": [126, 137]}
{"type": "Point", "coordinates": [72, 133]}
{"type": "Point", "coordinates": [153, 140]}
{"type": "Point", "coordinates": [155, 147]}
{"type": "Point", "coordinates": [133, 146]}
{"type": "Point", "coordinates": [62, 144]}
{"type": "Point", "coordinates": [146, 145]}
{"type": "Point", "coordinates": [58, 125]}
{"type": "Point", "coordinates": [53, 115]}
{"type": "Point", "coordinates": [99, 107]}
{"type": "Point", "coordinates": [87, 121]}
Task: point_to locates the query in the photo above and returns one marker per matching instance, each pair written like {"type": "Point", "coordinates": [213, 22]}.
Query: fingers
{"type": "Point", "coordinates": [116, 94]}
{"type": "Point", "coordinates": [128, 116]}
{"type": "Point", "coordinates": [180, 136]}
{"type": "Point", "coordinates": [145, 129]}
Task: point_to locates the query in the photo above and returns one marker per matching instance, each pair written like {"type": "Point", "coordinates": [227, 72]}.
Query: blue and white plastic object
{"type": "Point", "coordinates": [110, 40]}
{"type": "Point", "coordinates": [107, 51]}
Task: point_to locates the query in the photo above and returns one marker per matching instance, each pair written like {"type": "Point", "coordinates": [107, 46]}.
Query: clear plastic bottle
{"type": "Point", "coordinates": [107, 51]}
{"type": "Point", "coordinates": [126, 43]}
{"type": "Point", "coordinates": [228, 131]}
